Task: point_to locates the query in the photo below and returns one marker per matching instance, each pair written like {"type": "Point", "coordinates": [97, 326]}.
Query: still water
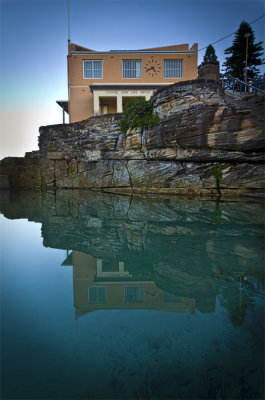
{"type": "Point", "coordinates": [116, 297]}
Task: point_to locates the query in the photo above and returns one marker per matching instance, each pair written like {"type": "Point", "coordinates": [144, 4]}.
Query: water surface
{"type": "Point", "coordinates": [114, 297]}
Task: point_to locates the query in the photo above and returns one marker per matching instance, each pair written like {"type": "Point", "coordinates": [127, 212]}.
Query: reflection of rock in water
{"type": "Point", "coordinates": [188, 248]}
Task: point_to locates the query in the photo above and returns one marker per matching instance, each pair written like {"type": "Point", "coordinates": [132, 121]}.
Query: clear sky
{"type": "Point", "coordinates": [33, 39]}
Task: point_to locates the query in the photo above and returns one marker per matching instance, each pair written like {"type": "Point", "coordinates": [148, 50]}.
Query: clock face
{"type": "Point", "coordinates": [152, 67]}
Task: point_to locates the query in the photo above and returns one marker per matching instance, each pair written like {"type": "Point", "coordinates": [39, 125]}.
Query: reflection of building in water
{"type": "Point", "coordinates": [101, 284]}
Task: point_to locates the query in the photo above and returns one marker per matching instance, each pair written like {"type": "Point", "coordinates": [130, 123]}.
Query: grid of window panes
{"type": "Point", "coordinates": [97, 294]}
{"type": "Point", "coordinates": [132, 68]}
{"type": "Point", "coordinates": [173, 68]}
{"type": "Point", "coordinates": [133, 294]}
{"type": "Point", "coordinates": [93, 69]}
{"type": "Point", "coordinates": [171, 298]}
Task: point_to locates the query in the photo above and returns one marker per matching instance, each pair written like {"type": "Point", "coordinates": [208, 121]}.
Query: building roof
{"type": "Point", "coordinates": [68, 261]}
{"type": "Point", "coordinates": [77, 47]}
{"type": "Point", "coordinates": [63, 104]}
{"type": "Point", "coordinates": [176, 48]}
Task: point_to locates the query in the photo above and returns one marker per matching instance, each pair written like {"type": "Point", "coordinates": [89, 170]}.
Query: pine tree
{"type": "Point", "coordinates": [210, 54]}
{"type": "Point", "coordinates": [235, 64]}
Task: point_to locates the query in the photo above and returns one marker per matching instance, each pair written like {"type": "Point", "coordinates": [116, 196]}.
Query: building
{"type": "Point", "coordinates": [102, 82]}
{"type": "Point", "coordinates": [105, 285]}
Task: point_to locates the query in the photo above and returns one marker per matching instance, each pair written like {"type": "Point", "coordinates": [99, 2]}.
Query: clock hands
{"type": "Point", "coordinates": [153, 68]}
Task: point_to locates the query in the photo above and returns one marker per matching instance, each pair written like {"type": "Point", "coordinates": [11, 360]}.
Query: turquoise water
{"type": "Point", "coordinates": [114, 297]}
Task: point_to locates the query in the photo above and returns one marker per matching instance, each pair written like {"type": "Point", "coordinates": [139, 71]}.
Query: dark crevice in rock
{"type": "Point", "coordinates": [130, 179]}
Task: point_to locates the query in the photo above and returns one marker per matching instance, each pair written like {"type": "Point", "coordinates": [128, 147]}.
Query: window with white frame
{"type": "Point", "coordinates": [173, 68]}
{"type": "Point", "coordinates": [96, 294]}
{"type": "Point", "coordinates": [93, 69]}
{"type": "Point", "coordinates": [132, 69]}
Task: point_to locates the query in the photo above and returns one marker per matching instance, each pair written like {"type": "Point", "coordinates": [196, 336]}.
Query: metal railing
{"type": "Point", "coordinates": [235, 84]}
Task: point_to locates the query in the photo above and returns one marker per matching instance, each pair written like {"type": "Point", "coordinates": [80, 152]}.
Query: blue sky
{"type": "Point", "coordinates": [33, 39]}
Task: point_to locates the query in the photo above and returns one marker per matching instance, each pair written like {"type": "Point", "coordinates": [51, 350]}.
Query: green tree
{"type": "Point", "coordinates": [138, 113]}
{"type": "Point", "coordinates": [210, 54]}
{"type": "Point", "coordinates": [236, 63]}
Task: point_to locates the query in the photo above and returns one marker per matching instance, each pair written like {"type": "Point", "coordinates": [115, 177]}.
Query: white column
{"type": "Point", "coordinates": [96, 103]}
{"type": "Point", "coordinates": [119, 103]}
{"type": "Point", "coordinates": [148, 96]}
{"type": "Point", "coordinates": [121, 267]}
{"type": "Point", "coordinates": [99, 267]}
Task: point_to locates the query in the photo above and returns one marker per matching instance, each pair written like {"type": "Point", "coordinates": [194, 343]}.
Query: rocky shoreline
{"type": "Point", "coordinates": [200, 127]}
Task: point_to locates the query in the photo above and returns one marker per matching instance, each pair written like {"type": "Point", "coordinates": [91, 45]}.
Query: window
{"type": "Point", "coordinates": [171, 298]}
{"type": "Point", "coordinates": [93, 69]}
{"type": "Point", "coordinates": [173, 68]}
{"type": "Point", "coordinates": [96, 294]}
{"type": "Point", "coordinates": [132, 69]}
{"type": "Point", "coordinates": [133, 294]}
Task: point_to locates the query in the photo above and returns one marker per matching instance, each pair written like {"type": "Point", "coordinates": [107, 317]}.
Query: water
{"type": "Point", "coordinates": [112, 297]}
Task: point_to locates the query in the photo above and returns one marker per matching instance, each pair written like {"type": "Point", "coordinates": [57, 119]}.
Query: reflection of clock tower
{"type": "Point", "coordinates": [152, 67]}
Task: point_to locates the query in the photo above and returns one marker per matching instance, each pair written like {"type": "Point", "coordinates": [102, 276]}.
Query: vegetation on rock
{"type": "Point", "coordinates": [138, 113]}
{"type": "Point", "coordinates": [217, 170]}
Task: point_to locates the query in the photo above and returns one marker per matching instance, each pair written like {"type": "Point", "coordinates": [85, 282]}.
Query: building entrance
{"type": "Point", "coordinates": [107, 105]}
{"type": "Point", "coordinates": [108, 102]}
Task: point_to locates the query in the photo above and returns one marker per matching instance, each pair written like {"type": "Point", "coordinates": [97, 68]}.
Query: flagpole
{"type": "Point", "coordinates": [69, 23]}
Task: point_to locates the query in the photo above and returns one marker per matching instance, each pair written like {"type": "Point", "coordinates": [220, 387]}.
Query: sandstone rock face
{"type": "Point", "coordinates": [199, 128]}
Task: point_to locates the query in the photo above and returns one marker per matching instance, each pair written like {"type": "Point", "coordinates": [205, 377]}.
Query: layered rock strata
{"type": "Point", "coordinates": [199, 128]}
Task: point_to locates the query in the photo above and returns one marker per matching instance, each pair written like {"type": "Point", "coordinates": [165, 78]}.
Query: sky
{"type": "Point", "coordinates": [33, 47]}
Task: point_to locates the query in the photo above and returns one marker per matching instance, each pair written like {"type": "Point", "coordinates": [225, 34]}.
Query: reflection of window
{"type": "Point", "coordinates": [133, 294]}
{"type": "Point", "coordinates": [97, 294]}
{"type": "Point", "coordinates": [173, 68]}
{"type": "Point", "coordinates": [171, 298]}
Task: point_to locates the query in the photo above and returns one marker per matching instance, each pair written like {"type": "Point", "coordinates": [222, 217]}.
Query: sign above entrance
{"type": "Point", "coordinates": [128, 92]}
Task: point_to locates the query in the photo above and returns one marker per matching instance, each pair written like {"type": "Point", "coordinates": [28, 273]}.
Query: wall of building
{"type": "Point", "coordinates": [81, 97]}
{"type": "Point", "coordinates": [85, 269]}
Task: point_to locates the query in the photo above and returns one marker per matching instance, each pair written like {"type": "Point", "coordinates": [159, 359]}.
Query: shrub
{"type": "Point", "coordinates": [217, 170]}
{"type": "Point", "coordinates": [138, 113]}
{"type": "Point", "coordinates": [218, 174]}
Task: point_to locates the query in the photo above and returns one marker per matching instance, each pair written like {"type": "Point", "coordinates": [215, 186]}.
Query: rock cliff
{"type": "Point", "coordinates": [200, 127]}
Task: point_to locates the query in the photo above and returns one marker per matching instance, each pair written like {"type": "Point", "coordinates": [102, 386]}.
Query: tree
{"type": "Point", "coordinates": [138, 113]}
{"type": "Point", "coordinates": [235, 64]}
{"type": "Point", "coordinates": [210, 54]}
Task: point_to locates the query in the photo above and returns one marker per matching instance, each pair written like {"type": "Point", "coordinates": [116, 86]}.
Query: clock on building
{"type": "Point", "coordinates": [152, 67]}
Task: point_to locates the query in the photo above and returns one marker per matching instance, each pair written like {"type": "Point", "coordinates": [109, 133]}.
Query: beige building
{"type": "Point", "coordinates": [104, 285]}
{"type": "Point", "coordinates": [102, 82]}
